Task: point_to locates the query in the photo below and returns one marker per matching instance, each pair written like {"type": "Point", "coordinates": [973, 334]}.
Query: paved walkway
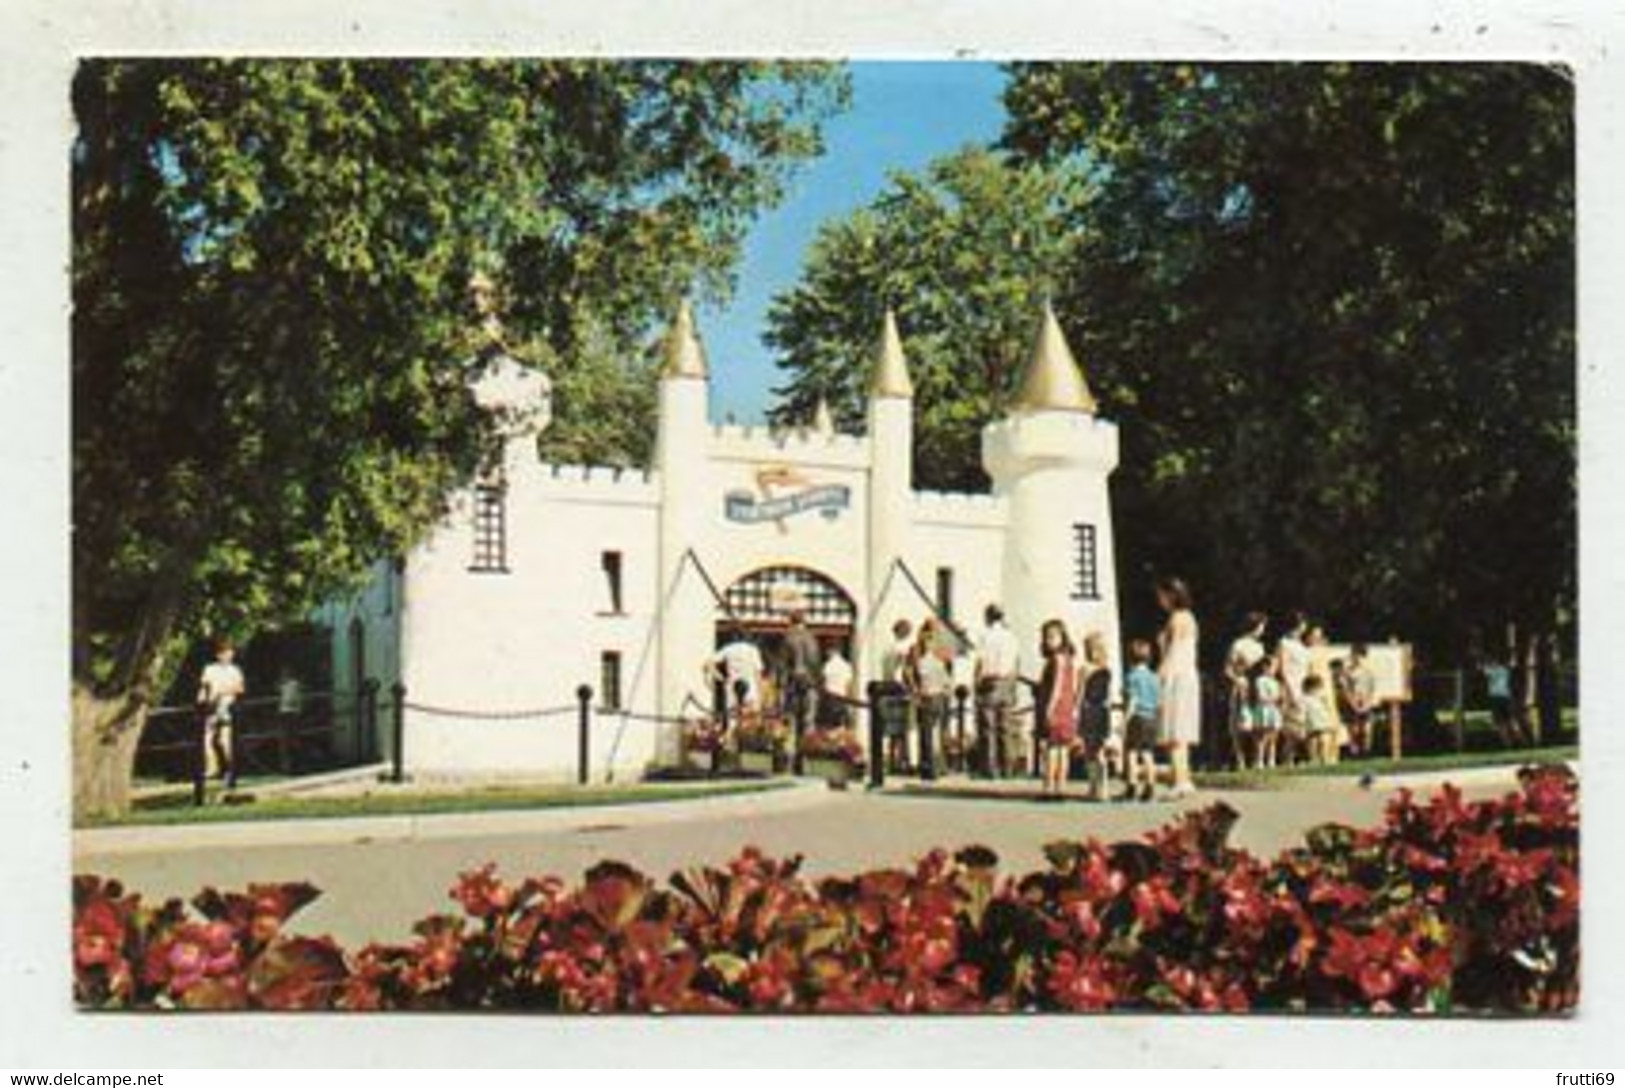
{"type": "Point", "coordinates": [381, 874]}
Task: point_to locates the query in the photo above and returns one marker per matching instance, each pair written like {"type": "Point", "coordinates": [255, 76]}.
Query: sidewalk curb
{"type": "Point", "coordinates": [437, 826]}
{"type": "Point", "coordinates": [1504, 773]}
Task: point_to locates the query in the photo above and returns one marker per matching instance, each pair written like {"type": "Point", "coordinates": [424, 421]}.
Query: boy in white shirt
{"type": "Point", "coordinates": [219, 688]}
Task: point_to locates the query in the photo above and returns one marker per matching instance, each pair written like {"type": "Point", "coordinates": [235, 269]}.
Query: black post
{"type": "Point", "coordinates": [961, 701]}
{"type": "Point", "coordinates": [1458, 716]}
{"type": "Point", "coordinates": [583, 724]}
{"type": "Point", "coordinates": [397, 727]}
{"type": "Point", "coordinates": [877, 735]}
{"type": "Point", "coordinates": [200, 758]}
{"type": "Point", "coordinates": [284, 743]}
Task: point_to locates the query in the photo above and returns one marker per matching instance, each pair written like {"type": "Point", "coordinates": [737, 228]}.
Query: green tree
{"type": "Point", "coordinates": [273, 338]}
{"type": "Point", "coordinates": [1336, 304]}
{"type": "Point", "coordinates": [965, 253]}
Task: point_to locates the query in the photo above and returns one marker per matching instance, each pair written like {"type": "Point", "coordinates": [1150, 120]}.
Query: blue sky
{"type": "Point", "coordinates": [903, 115]}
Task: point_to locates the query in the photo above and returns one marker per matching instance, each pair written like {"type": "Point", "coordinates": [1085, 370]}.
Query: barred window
{"type": "Point", "coordinates": [609, 680]}
{"type": "Point", "coordinates": [1085, 585]}
{"type": "Point", "coordinates": [490, 529]}
{"type": "Point", "coordinates": [768, 595]}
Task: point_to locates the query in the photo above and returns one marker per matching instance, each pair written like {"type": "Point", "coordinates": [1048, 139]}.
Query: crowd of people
{"type": "Point", "coordinates": [1296, 702]}
{"type": "Point", "coordinates": [1081, 720]}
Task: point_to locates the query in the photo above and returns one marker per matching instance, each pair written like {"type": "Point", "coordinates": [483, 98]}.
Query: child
{"type": "Point", "coordinates": [1498, 688]}
{"type": "Point", "coordinates": [1060, 706]}
{"type": "Point", "coordinates": [1361, 683]}
{"type": "Point", "coordinates": [1319, 721]}
{"type": "Point", "coordinates": [1140, 730]}
{"type": "Point", "coordinates": [1094, 711]}
{"type": "Point", "coordinates": [219, 688]}
{"type": "Point", "coordinates": [1264, 711]}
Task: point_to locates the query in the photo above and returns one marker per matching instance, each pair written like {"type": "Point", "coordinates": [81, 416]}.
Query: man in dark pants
{"type": "Point", "coordinates": [804, 667]}
{"type": "Point", "coordinates": [998, 658]}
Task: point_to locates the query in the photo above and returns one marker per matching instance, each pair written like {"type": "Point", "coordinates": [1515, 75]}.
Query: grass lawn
{"type": "Point", "coordinates": [179, 810]}
{"type": "Point", "coordinates": [1445, 761]}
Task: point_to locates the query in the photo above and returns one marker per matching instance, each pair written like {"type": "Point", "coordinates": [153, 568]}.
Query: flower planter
{"type": "Point", "coordinates": [837, 772]}
{"type": "Point", "coordinates": [756, 762]}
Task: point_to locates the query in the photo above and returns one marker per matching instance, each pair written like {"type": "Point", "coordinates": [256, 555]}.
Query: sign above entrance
{"type": "Point", "coordinates": [828, 499]}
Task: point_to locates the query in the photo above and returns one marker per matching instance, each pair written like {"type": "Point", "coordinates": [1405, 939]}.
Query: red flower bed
{"type": "Point", "coordinates": [1447, 907]}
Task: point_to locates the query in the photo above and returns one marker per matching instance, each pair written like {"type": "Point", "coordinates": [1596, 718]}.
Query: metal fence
{"type": "Point", "coordinates": [271, 736]}
{"type": "Point", "coordinates": [329, 730]}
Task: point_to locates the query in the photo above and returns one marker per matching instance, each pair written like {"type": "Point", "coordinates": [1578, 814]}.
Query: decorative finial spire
{"type": "Point", "coordinates": [823, 422]}
{"type": "Point", "coordinates": [891, 369]}
{"type": "Point", "coordinates": [482, 290]}
{"type": "Point", "coordinates": [1053, 380]}
{"type": "Point", "coordinates": [685, 356]}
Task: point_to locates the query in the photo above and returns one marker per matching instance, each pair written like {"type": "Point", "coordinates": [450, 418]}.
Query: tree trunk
{"type": "Point", "coordinates": [105, 734]}
{"type": "Point", "coordinates": [1525, 676]}
{"type": "Point", "coordinates": [1548, 689]}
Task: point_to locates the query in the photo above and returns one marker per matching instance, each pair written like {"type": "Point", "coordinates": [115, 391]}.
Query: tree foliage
{"type": "Point", "coordinates": [1331, 305]}
{"type": "Point", "coordinates": [965, 253]}
{"type": "Point", "coordinates": [273, 338]}
{"type": "Point", "coordinates": [1334, 303]}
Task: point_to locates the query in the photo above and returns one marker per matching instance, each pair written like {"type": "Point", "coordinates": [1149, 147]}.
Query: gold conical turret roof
{"type": "Point", "coordinates": [891, 369]}
{"type": "Point", "coordinates": [1053, 381]}
{"type": "Point", "coordinates": [685, 355]}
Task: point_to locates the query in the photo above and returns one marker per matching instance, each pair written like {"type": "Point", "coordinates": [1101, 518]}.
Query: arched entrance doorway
{"type": "Point", "coordinates": [760, 604]}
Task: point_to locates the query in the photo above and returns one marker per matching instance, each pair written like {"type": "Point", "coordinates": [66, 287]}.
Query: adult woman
{"type": "Point", "coordinates": [1058, 688]}
{"type": "Point", "coordinates": [1180, 685]}
{"type": "Point", "coordinates": [1331, 738]}
{"type": "Point", "coordinates": [1294, 663]}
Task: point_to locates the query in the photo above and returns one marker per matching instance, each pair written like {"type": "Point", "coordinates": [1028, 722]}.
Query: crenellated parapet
{"type": "Point", "coordinates": [797, 445]}
{"type": "Point", "coordinates": [1029, 441]}
{"type": "Point", "coordinates": [959, 509]}
{"type": "Point", "coordinates": [594, 484]}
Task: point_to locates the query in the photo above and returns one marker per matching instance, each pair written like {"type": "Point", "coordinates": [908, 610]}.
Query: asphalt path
{"type": "Point", "coordinates": [379, 876]}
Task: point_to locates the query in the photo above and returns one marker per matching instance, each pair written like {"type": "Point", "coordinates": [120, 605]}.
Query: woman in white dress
{"type": "Point", "coordinates": [1180, 707]}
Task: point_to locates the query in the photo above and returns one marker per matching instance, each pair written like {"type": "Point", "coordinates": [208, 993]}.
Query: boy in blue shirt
{"type": "Point", "coordinates": [1140, 717]}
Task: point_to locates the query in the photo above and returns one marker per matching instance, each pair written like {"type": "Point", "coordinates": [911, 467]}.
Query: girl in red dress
{"type": "Point", "coordinates": [1059, 706]}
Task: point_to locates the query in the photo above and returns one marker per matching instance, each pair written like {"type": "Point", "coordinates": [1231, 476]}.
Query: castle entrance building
{"type": "Point", "coordinates": [544, 577]}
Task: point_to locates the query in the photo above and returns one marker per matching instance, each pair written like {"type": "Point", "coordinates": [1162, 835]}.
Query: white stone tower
{"type": "Point", "coordinates": [685, 606]}
{"type": "Point", "coordinates": [1051, 458]}
{"type": "Point", "coordinates": [891, 489]}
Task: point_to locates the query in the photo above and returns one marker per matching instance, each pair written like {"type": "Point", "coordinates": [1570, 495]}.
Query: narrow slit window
{"type": "Point", "coordinates": [490, 529]}
{"type": "Point", "coordinates": [612, 564]}
{"type": "Point", "coordinates": [1086, 583]}
{"type": "Point", "coordinates": [609, 680]}
{"type": "Point", "coordinates": [945, 592]}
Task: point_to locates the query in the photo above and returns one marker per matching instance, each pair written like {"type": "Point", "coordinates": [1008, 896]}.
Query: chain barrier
{"type": "Point", "coordinates": [491, 715]}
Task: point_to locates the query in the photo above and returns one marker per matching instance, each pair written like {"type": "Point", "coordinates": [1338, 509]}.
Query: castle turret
{"type": "Point", "coordinates": [680, 449]}
{"type": "Point", "coordinates": [518, 397]}
{"type": "Point", "coordinates": [891, 476]}
{"type": "Point", "coordinates": [1051, 458]}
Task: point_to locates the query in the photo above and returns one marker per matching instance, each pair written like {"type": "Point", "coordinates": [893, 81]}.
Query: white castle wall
{"type": "Point", "coordinates": [377, 637]}
{"type": "Point", "coordinates": [1052, 469]}
{"type": "Point", "coordinates": [963, 534]}
{"type": "Point", "coordinates": [494, 642]}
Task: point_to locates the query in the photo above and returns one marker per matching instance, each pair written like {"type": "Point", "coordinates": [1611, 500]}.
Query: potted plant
{"type": "Point", "coordinates": [760, 741]}
{"type": "Point", "coordinates": [701, 737]}
{"type": "Point", "coordinates": [834, 755]}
